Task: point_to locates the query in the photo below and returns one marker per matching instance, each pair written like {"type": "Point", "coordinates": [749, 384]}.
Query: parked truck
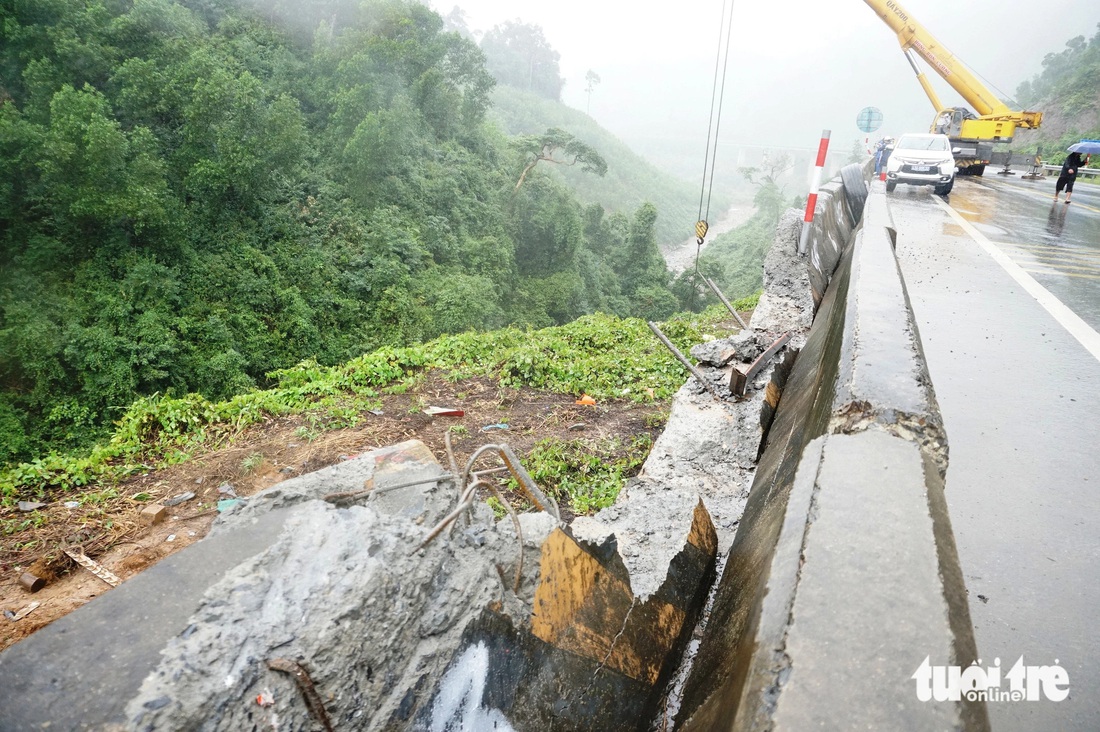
{"type": "Point", "coordinates": [972, 133]}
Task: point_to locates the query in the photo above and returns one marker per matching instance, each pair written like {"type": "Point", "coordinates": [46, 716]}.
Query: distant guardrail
{"type": "Point", "coordinates": [1056, 169]}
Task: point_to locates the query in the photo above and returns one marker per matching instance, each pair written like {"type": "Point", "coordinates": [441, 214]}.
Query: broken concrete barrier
{"type": "Point", "coordinates": [596, 653]}
{"type": "Point", "coordinates": [839, 206]}
{"type": "Point", "coordinates": [843, 577]}
{"type": "Point", "coordinates": [302, 613]}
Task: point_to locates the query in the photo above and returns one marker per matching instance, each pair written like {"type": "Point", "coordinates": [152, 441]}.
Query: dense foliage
{"type": "Point", "coordinates": [1067, 90]}
{"type": "Point", "coordinates": [195, 194]}
{"type": "Point", "coordinates": [518, 55]}
{"type": "Point", "coordinates": [1071, 76]}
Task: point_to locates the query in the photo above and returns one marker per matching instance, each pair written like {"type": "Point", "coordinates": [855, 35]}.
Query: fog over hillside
{"type": "Point", "coordinates": [794, 68]}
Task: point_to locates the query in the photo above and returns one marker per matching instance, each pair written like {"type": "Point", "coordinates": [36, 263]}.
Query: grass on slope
{"type": "Point", "coordinates": [600, 355]}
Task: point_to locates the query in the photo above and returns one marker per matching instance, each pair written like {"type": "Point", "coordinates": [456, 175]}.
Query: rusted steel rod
{"type": "Point", "coordinates": [305, 685]}
{"type": "Point", "coordinates": [680, 357]}
{"type": "Point", "coordinates": [714, 288]}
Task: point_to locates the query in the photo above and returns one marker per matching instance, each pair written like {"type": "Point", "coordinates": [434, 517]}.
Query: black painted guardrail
{"type": "Point", "coordinates": [843, 577]}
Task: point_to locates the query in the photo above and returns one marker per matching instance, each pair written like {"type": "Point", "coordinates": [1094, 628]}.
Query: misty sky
{"type": "Point", "coordinates": [795, 67]}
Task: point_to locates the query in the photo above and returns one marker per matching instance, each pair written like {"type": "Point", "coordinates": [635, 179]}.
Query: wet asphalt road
{"type": "Point", "coordinates": [1058, 244]}
{"type": "Point", "coordinates": [1020, 396]}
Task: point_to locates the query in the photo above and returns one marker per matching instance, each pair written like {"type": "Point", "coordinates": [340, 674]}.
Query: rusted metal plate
{"type": "Point", "coordinates": [742, 374]}
{"type": "Point", "coordinates": [584, 603]}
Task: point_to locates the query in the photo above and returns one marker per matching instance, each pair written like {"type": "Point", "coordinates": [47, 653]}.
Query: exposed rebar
{"type": "Point", "coordinates": [687, 364]}
{"type": "Point", "coordinates": [714, 288]}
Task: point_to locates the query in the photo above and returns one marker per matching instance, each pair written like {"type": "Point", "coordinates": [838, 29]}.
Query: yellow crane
{"type": "Point", "coordinates": [971, 134]}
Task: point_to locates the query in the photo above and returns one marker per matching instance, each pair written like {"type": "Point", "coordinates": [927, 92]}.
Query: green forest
{"type": "Point", "coordinates": [1067, 91]}
{"type": "Point", "coordinates": [196, 194]}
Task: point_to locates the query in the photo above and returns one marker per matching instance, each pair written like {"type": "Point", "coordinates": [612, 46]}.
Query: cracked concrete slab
{"type": "Point", "coordinates": [814, 624]}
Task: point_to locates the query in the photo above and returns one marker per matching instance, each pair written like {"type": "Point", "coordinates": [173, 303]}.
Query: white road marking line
{"type": "Point", "coordinates": [1068, 319]}
{"type": "Point", "coordinates": [1036, 195]}
{"type": "Point", "coordinates": [1043, 248]}
{"type": "Point", "coordinates": [1063, 274]}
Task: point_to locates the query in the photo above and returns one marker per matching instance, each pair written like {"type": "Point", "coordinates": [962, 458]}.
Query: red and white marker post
{"type": "Point", "coordinates": [811, 202]}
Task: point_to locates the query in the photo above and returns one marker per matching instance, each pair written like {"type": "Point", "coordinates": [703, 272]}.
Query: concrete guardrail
{"type": "Point", "coordinates": [843, 577]}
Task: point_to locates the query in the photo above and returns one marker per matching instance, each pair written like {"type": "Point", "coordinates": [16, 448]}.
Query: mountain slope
{"type": "Point", "coordinates": [1067, 91]}
{"type": "Point", "coordinates": [630, 179]}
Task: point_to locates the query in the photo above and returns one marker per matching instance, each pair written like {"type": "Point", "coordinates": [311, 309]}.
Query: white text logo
{"type": "Point", "coordinates": [975, 683]}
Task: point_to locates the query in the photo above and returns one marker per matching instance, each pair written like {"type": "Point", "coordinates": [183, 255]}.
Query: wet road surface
{"type": "Point", "coordinates": [1056, 243]}
{"type": "Point", "coordinates": [1018, 381]}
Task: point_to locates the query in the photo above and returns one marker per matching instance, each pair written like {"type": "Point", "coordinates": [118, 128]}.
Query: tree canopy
{"type": "Point", "coordinates": [1067, 91]}
{"type": "Point", "coordinates": [195, 194]}
{"type": "Point", "coordinates": [561, 148]}
{"type": "Point", "coordinates": [517, 54]}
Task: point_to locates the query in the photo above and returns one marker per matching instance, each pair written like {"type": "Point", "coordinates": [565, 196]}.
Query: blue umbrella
{"type": "Point", "coordinates": [1086, 147]}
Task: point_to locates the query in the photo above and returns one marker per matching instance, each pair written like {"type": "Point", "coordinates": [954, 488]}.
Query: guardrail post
{"type": "Point", "coordinates": [811, 201]}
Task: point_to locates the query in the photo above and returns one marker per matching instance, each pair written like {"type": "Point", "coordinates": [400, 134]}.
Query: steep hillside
{"type": "Point", "coordinates": [630, 179]}
{"type": "Point", "coordinates": [515, 386]}
{"type": "Point", "coordinates": [1067, 91]}
{"type": "Point", "coordinates": [196, 194]}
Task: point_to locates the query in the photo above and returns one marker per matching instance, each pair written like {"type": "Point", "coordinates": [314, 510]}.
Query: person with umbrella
{"type": "Point", "coordinates": [1079, 154]}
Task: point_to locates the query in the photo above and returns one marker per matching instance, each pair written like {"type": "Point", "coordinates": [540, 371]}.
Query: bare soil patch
{"type": "Point", "coordinates": [267, 453]}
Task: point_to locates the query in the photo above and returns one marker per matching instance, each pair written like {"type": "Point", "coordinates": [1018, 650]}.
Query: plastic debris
{"type": "Point", "coordinates": [227, 503]}
{"type": "Point", "coordinates": [25, 611]}
{"type": "Point", "coordinates": [171, 537]}
{"type": "Point", "coordinates": [585, 399]}
{"type": "Point", "coordinates": [176, 500]}
{"type": "Point", "coordinates": [376, 412]}
{"type": "Point", "coordinates": [577, 427]}
{"type": "Point", "coordinates": [72, 504]}
{"type": "Point", "coordinates": [497, 426]}
{"type": "Point", "coordinates": [26, 506]}
{"type": "Point", "coordinates": [444, 412]}
{"type": "Point", "coordinates": [265, 698]}
{"type": "Point", "coordinates": [94, 567]}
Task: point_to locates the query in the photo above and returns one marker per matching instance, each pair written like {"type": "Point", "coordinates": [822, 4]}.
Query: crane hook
{"type": "Point", "coordinates": [701, 231]}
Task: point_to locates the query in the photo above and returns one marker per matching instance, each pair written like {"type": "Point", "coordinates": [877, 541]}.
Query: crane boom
{"type": "Point", "coordinates": [995, 121]}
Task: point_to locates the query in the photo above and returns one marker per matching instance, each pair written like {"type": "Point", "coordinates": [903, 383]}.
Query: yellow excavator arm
{"type": "Point", "coordinates": [994, 122]}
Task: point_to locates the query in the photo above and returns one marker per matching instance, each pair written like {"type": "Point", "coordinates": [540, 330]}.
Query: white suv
{"type": "Point", "coordinates": [922, 160]}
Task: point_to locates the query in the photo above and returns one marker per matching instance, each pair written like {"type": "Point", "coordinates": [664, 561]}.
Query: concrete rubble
{"type": "Point", "coordinates": [391, 637]}
{"type": "Point", "coordinates": [709, 448]}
